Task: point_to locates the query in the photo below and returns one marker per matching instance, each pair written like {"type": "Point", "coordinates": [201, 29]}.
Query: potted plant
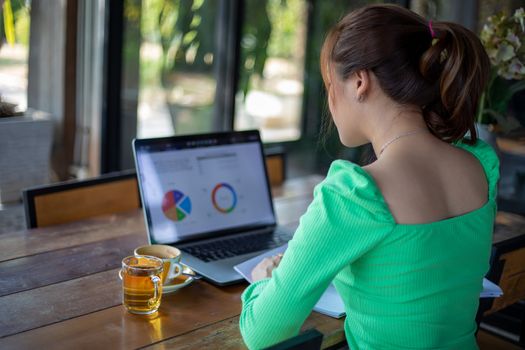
{"type": "Point", "coordinates": [25, 148]}
{"type": "Point", "coordinates": [504, 39]}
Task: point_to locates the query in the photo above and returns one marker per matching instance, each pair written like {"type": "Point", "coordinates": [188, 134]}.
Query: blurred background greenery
{"type": "Point", "coordinates": [170, 69]}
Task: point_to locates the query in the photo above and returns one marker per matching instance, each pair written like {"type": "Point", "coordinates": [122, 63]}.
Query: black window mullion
{"type": "Point", "coordinates": [110, 152]}
{"type": "Point", "coordinates": [228, 37]}
{"type": "Point", "coordinates": [311, 82]}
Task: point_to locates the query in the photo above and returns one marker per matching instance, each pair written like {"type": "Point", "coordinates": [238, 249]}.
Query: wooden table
{"type": "Point", "coordinates": [59, 287]}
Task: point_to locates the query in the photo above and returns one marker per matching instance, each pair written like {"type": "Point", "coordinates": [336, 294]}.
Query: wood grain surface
{"type": "Point", "coordinates": [41, 240]}
{"type": "Point", "coordinates": [508, 226]}
{"type": "Point", "coordinates": [227, 334]}
{"type": "Point", "coordinates": [66, 263]}
{"type": "Point", "coordinates": [194, 307]}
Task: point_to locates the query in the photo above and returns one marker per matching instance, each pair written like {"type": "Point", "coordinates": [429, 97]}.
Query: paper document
{"type": "Point", "coordinates": [331, 303]}
{"type": "Point", "coordinates": [490, 290]}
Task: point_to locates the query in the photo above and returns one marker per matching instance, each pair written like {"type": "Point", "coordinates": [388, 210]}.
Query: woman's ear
{"type": "Point", "coordinates": [361, 84]}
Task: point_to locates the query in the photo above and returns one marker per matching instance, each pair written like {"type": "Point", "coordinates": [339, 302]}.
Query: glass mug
{"type": "Point", "coordinates": [141, 284]}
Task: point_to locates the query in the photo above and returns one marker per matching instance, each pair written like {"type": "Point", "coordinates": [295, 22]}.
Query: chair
{"type": "Point", "coordinates": [506, 314]}
{"type": "Point", "coordinates": [81, 199]}
{"type": "Point", "coordinates": [275, 166]}
{"type": "Point", "coordinates": [309, 340]}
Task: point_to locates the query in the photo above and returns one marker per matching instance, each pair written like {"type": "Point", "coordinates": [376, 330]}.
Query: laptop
{"type": "Point", "coordinates": [209, 196]}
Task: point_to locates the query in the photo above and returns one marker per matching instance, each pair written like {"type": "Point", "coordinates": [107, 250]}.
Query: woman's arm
{"type": "Point", "coordinates": [334, 232]}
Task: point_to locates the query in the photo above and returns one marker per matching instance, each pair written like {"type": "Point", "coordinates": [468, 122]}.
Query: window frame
{"type": "Point", "coordinates": [227, 70]}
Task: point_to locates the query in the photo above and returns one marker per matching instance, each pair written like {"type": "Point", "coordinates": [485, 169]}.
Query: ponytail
{"type": "Point", "coordinates": [459, 66]}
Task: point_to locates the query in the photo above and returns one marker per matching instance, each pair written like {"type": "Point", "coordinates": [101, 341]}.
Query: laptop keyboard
{"type": "Point", "coordinates": [230, 247]}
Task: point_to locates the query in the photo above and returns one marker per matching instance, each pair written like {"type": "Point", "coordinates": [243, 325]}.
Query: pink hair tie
{"type": "Point", "coordinates": [432, 33]}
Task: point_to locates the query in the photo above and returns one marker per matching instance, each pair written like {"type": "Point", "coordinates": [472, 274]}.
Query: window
{"type": "Point", "coordinates": [14, 50]}
{"type": "Point", "coordinates": [212, 65]}
{"type": "Point", "coordinates": [180, 67]}
{"type": "Point", "coordinates": [177, 67]}
{"type": "Point", "coordinates": [272, 52]}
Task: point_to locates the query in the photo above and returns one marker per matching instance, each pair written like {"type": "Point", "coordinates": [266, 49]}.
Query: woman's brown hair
{"type": "Point", "coordinates": [441, 67]}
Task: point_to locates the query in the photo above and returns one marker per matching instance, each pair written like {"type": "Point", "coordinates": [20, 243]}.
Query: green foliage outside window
{"type": "Point", "coordinates": [14, 22]}
{"type": "Point", "coordinates": [185, 29]}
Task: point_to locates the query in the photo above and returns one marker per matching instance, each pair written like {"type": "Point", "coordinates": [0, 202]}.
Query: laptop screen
{"type": "Point", "coordinates": [194, 186]}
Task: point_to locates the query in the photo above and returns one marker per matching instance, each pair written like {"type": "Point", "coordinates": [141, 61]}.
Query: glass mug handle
{"type": "Point", "coordinates": [155, 280]}
{"type": "Point", "coordinates": [156, 296]}
{"type": "Point", "coordinates": [171, 273]}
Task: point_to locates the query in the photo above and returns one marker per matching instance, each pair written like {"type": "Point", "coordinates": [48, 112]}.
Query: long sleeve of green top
{"type": "Point", "coordinates": [404, 286]}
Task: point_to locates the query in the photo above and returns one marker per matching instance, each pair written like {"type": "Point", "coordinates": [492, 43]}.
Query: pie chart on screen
{"type": "Point", "coordinates": [176, 206]}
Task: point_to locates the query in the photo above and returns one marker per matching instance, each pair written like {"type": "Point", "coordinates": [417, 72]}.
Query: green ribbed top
{"type": "Point", "coordinates": [404, 286]}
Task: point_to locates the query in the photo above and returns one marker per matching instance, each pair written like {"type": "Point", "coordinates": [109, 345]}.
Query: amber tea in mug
{"type": "Point", "coordinates": [141, 284]}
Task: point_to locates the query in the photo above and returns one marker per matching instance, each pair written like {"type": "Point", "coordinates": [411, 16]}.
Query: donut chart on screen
{"type": "Point", "coordinates": [224, 198]}
{"type": "Point", "coordinates": [176, 206]}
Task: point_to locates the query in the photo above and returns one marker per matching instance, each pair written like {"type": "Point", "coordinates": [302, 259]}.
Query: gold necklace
{"type": "Point", "coordinates": [410, 133]}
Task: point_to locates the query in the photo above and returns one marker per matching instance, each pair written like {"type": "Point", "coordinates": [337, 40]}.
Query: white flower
{"type": "Point", "coordinates": [502, 37]}
{"type": "Point", "coordinates": [513, 39]}
{"type": "Point", "coordinates": [505, 52]}
{"type": "Point", "coordinates": [487, 32]}
{"type": "Point", "coordinates": [520, 17]}
{"type": "Point", "coordinates": [517, 69]}
{"type": "Point", "coordinates": [493, 54]}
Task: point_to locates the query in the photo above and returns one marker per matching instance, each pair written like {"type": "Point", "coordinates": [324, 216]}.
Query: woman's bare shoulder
{"type": "Point", "coordinates": [425, 187]}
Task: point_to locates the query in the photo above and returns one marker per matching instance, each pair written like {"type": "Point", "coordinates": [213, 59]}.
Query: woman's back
{"type": "Point", "coordinates": [404, 285]}
{"type": "Point", "coordinates": [419, 287]}
{"type": "Point", "coordinates": [429, 180]}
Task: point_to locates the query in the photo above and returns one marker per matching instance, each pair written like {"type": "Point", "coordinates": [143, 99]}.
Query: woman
{"type": "Point", "coordinates": [406, 239]}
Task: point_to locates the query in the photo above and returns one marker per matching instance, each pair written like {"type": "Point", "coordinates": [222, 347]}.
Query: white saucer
{"type": "Point", "coordinates": [179, 282]}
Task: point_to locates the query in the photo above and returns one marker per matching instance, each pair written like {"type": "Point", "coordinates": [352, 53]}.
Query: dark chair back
{"type": "Point", "coordinates": [81, 199]}
{"type": "Point", "coordinates": [275, 166]}
{"type": "Point", "coordinates": [309, 340]}
{"type": "Point", "coordinates": [508, 271]}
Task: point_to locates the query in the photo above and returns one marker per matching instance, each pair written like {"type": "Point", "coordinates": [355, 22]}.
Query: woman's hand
{"type": "Point", "coordinates": [265, 268]}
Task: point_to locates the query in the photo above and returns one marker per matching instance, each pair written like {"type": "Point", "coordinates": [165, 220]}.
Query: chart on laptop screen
{"type": "Point", "coordinates": [196, 190]}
